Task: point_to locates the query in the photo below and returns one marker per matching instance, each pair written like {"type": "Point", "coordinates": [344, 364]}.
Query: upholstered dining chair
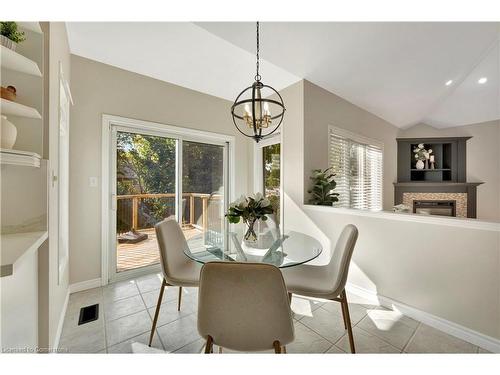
{"type": "Point", "coordinates": [177, 268]}
{"type": "Point", "coordinates": [244, 307]}
{"type": "Point", "coordinates": [328, 281]}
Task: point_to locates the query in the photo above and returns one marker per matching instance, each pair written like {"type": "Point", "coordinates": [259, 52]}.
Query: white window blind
{"type": "Point", "coordinates": [357, 163]}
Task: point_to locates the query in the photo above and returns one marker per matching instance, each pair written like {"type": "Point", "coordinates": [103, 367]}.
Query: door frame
{"type": "Point", "coordinates": [258, 181]}
{"type": "Point", "coordinates": [110, 124]}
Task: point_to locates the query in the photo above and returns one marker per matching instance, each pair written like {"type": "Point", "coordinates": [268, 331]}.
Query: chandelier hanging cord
{"type": "Point", "coordinates": [257, 76]}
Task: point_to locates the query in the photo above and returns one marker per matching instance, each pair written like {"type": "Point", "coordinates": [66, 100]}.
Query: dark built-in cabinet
{"type": "Point", "coordinates": [449, 155]}
{"type": "Point", "coordinates": [448, 176]}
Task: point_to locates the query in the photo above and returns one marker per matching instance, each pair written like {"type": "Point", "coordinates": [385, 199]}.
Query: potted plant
{"type": "Point", "coordinates": [323, 186]}
{"type": "Point", "coordinates": [10, 36]}
{"type": "Point", "coordinates": [250, 209]}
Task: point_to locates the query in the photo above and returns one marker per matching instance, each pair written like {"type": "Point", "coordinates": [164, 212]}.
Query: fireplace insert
{"type": "Point", "coordinates": [435, 207]}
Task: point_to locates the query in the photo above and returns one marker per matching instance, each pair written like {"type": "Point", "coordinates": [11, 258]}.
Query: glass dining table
{"type": "Point", "coordinates": [279, 249]}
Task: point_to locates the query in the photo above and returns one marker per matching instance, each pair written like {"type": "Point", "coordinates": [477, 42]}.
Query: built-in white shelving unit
{"type": "Point", "coordinates": [21, 158]}
{"type": "Point", "coordinates": [17, 246]}
{"type": "Point", "coordinates": [18, 109]}
{"type": "Point", "coordinates": [15, 61]}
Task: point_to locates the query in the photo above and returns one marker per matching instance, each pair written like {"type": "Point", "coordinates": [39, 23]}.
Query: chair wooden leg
{"type": "Point", "coordinates": [277, 347]}
{"type": "Point", "coordinates": [180, 298]}
{"type": "Point", "coordinates": [157, 312]}
{"type": "Point", "coordinates": [209, 345]}
{"type": "Point", "coordinates": [343, 315]}
{"type": "Point", "coordinates": [343, 297]}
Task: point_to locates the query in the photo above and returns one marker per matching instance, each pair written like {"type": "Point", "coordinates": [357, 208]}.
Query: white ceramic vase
{"type": "Point", "coordinates": [420, 164]}
{"type": "Point", "coordinates": [8, 133]}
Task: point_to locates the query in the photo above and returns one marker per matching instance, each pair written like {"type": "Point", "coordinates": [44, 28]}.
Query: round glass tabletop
{"type": "Point", "coordinates": [281, 250]}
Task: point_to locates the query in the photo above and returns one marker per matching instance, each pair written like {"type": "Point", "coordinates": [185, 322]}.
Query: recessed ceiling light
{"type": "Point", "coordinates": [449, 82]}
{"type": "Point", "coordinates": [482, 80]}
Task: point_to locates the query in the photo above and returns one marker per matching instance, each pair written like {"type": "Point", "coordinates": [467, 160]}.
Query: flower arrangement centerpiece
{"type": "Point", "coordinates": [422, 155]}
{"type": "Point", "coordinates": [250, 209]}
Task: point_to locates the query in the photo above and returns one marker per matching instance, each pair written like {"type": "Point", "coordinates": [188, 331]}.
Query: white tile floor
{"type": "Point", "coordinates": [127, 308]}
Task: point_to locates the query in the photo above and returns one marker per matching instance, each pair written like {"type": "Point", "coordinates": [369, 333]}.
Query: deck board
{"type": "Point", "coordinates": [144, 253]}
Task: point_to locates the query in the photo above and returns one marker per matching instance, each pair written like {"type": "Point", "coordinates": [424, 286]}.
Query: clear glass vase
{"type": "Point", "coordinates": [250, 235]}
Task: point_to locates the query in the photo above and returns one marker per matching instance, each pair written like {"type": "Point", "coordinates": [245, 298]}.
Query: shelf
{"type": "Point", "coordinates": [15, 61]}
{"type": "Point", "coordinates": [430, 170]}
{"type": "Point", "coordinates": [15, 246]}
{"type": "Point", "coordinates": [31, 26]}
{"type": "Point", "coordinates": [15, 109]}
{"type": "Point", "coordinates": [21, 158]}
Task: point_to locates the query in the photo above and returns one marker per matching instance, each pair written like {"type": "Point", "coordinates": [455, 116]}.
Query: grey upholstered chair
{"type": "Point", "coordinates": [244, 307]}
{"type": "Point", "coordinates": [327, 281]}
{"type": "Point", "coordinates": [178, 269]}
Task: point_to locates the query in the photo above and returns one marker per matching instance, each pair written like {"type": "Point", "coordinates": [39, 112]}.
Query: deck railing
{"type": "Point", "coordinates": [205, 200]}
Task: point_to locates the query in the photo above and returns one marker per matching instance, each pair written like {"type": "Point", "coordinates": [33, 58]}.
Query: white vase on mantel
{"type": "Point", "coordinates": [8, 133]}
{"type": "Point", "coordinates": [420, 164]}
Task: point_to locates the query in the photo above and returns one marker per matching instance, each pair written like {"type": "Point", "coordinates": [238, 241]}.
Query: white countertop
{"type": "Point", "coordinates": [16, 245]}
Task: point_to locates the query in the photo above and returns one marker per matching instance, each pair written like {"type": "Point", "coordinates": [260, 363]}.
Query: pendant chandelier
{"type": "Point", "coordinates": [253, 108]}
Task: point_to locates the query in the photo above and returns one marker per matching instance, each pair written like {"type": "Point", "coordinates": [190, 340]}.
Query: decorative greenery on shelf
{"type": "Point", "coordinates": [322, 190]}
{"type": "Point", "coordinates": [9, 30]}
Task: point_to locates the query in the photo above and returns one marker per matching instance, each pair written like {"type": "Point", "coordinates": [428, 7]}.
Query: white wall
{"type": "Point", "coordinates": [446, 271]}
{"type": "Point", "coordinates": [53, 290]}
{"type": "Point", "coordinates": [103, 89]}
{"type": "Point", "coordinates": [450, 272]}
{"type": "Point", "coordinates": [321, 109]}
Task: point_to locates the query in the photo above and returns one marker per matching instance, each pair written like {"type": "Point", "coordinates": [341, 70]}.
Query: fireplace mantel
{"type": "Point", "coordinates": [470, 188]}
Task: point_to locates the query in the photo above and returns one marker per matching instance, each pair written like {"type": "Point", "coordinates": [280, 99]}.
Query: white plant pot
{"type": "Point", "coordinates": [8, 133]}
{"type": "Point", "coordinates": [6, 42]}
{"type": "Point", "coordinates": [420, 164]}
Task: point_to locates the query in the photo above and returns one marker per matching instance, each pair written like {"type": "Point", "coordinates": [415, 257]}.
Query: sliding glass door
{"type": "Point", "coordinates": [157, 175]}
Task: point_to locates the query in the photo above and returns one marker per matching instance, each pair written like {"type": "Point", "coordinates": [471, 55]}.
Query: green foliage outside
{"type": "Point", "coordinates": [9, 30]}
{"type": "Point", "coordinates": [271, 160]}
{"type": "Point", "coordinates": [323, 185]}
{"type": "Point", "coordinates": [146, 164]}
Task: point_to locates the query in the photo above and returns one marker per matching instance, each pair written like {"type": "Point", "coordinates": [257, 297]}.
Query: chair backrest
{"type": "Point", "coordinates": [171, 242]}
{"type": "Point", "coordinates": [341, 258]}
{"type": "Point", "coordinates": [244, 306]}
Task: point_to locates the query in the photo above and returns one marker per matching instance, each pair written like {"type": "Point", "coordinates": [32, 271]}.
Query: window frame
{"type": "Point", "coordinates": [363, 140]}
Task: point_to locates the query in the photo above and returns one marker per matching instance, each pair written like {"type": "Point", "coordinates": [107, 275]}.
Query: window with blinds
{"type": "Point", "coordinates": [357, 163]}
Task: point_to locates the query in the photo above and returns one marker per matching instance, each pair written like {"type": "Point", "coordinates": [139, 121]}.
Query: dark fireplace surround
{"type": "Point", "coordinates": [435, 191]}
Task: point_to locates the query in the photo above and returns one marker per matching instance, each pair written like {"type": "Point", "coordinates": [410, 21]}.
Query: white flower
{"type": "Point", "coordinates": [430, 151]}
{"type": "Point", "coordinates": [415, 150]}
{"type": "Point", "coordinates": [420, 145]}
{"type": "Point", "coordinates": [258, 197]}
{"type": "Point", "coordinates": [426, 154]}
{"type": "Point", "coordinates": [416, 156]}
{"type": "Point", "coordinates": [241, 201]}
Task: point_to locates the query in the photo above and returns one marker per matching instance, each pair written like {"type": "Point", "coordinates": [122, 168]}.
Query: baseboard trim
{"type": "Point", "coordinates": [483, 341]}
{"type": "Point", "coordinates": [84, 285]}
{"type": "Point", "coordinates": [61, 321]}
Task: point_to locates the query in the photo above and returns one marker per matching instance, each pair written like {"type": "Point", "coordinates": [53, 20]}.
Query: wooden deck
{"type": "Point", "coordinates": [144, 253]}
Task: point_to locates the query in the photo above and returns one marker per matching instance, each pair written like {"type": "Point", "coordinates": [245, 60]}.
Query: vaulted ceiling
{"type": "Point", "coordinates": [397, 71]}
